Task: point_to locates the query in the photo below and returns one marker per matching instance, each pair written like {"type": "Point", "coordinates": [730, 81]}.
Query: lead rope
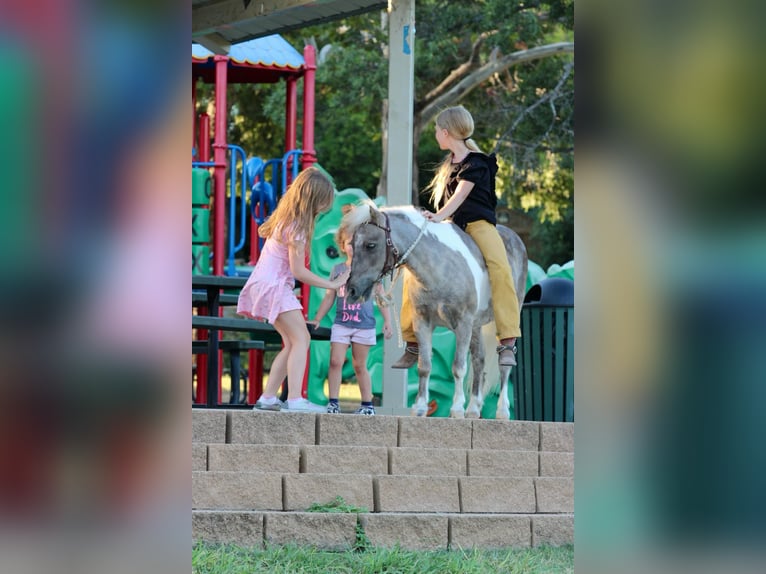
{"type": "Point", "coordinates": [386, 299]}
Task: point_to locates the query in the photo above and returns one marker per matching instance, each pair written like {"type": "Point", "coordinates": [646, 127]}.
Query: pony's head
{"type": "Point", "coordinates": [366, 224]}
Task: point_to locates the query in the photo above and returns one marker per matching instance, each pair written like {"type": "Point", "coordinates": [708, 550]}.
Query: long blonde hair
{"type": "Point", "coordinates": [310, 193]}
{"type": "Point", "coordinates": [459, 124]}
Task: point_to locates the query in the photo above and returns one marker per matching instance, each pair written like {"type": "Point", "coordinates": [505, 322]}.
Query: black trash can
{"type": "Point", "coordinates": [544, 377]}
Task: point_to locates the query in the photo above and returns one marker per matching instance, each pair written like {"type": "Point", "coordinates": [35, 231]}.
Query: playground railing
{"type": "Point", "coordinates": [263, 194]}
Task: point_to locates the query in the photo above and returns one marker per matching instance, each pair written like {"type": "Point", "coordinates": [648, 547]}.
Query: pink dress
{"type": "Point", "coordinates": [269, 290]}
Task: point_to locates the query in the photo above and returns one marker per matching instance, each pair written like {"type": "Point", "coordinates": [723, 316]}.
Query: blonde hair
{"type": "Point", "coordinates": [459, 124]}
{"type": "Point", "coordinates": [344, 231]}
{"type": "Point", "coordinates": [310, 193]}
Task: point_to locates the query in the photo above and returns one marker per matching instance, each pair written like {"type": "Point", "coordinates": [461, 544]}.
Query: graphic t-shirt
{"type": "Point", "coordinates": [353, 315]}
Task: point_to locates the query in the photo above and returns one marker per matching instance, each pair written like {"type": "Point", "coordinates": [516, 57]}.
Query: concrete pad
{"type": "Point", "coordinates": [497, 494]}
{"type": "Point", "coordinates": [430, 461]}
{"type": "Point", "coordinates": [344, 459]}
{"type": "Point", "coordinates": [208, 425]}
{"type": "Point", "coordinates": [490, 462]}
{"type": "Point", "coordinates": [226, 527]}
{"type": "Point", "coordinates": [435, 432]}
{"type": "Point", "coordinates": [236, 491]}
{"type": "Point", "coordinates": [557, 437]}
{"type": "Point", "coordinates": [556, 464]}
{"type": "Point", "coordinates": [552, 530]}
{"type": "Point", "coordinates": [327, 531]}
{"type": "Point", "coordinates": [354, 430]}
{"type": "Point", "coordinates": [266, 427]}
{"type": "Point", "coordinates": [506, 435]}
{"type": "Point", "coordinates": [417, 494]}
{"type": "Point", "coordinates": [303, 490]}
{"type": "Point", "coordinates": [408, 531]}
{"type": "Point", "coordinates": [555, 494]}
{"type": "Point", "coordinates": [254, 457]}
{"type": "Point", "coordinates": [199, 456]}
{"type": "Point", "coordinates": [489, 531]}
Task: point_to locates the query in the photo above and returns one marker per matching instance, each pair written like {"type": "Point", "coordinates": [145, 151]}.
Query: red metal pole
{"type": "Point", "coordinates": [194, 111]}
{"type": "Point", "coordinates": [308, 159]}
{"type": "Point", "coordinates": [309, 77]}
{"type": "Point", "coordinates": [219, 173]}
{"type": "Point", "coordinates": [203, 150]}
{"type": "Point", "coordinates": [291, 114]}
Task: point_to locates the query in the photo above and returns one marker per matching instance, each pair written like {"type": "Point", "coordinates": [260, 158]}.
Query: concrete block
{"type": "Point", "coordinates": [491, 462]}
{"type": "Point", "coordinates": [344, 459]}
{"type": "Point", "coordinates": [556, 464]}
{"type": "Point", "coordinates": [254, 457]}
{"type": "Point", "coordinates": [226, 527]}
{"type": "Point", "coordinates": [266, 427]}
{"type": "Point", "coordinates": [430, 461]}
{"type": "Point", "coordinates": [557, 437]}
{"type": "Point", "coordinates": [506, 435]}
{"type": "Point", "coordinates": [208, 425]}
{"type": "Point", "coordinates": [555, 494]}
{"type": "Point", "coordinates": [417, 494]}
{"type": "Point", "coordinates": [327, 531]}
{"type": "Point", "coordinates": [497, 495]}
{"type": "Point", "coordinates": [199, 456]}
{"type": "Point", "coordinates": [357, 430]}
{"type": "Point", "coordinates": [236, 491]}
{"type": "Point", "coordinates": [489, 531]}
{"type": "Point", "coordinates": [303, 490]}
{"type": "Point", "coordinates": [408, 531]}
{"type": "Point", "coordinates": [552, 530]}
{"type": "Point", "coordinates": [435, 432]}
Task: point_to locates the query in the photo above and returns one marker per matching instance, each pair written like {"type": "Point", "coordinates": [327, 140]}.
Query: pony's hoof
{"type": "Point", "coordinates": [457, 414]}
{"type": "Point", "coordinates": [419, 412]}
{"type": "Point", "coordinates": [503, 414]}
{"type": "Point", "coordinates": [472, 413]}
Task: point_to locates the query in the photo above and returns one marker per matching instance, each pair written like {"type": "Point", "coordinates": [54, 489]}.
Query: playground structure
{"type": "Point", "coordinates": [264, 60]}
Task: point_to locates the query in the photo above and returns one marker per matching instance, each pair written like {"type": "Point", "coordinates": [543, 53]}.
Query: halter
{"type": "Point", "coordinates": [393, 260]}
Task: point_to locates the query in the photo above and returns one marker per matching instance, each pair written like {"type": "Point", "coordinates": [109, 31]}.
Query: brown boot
{"type": "Point", "coordinates": [409, 358]}
{"type": "Point", "coordinates": [507, 355]}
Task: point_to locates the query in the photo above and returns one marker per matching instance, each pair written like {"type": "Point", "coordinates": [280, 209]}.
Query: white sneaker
{"type": "Point", "coordinates": [302, 406]}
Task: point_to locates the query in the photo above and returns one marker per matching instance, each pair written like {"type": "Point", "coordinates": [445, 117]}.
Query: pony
{"type": "Point", "coordinates": [448, 285]}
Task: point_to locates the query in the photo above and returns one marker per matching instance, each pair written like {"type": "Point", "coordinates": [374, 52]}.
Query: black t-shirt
{"type": "Point", "coordinates": [481, 202]}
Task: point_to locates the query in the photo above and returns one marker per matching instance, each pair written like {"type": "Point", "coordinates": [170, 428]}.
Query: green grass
{"type": "Point", "coordinates": [229, 559]}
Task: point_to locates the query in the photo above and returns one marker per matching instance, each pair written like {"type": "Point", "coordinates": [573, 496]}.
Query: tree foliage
{"type": "Point", "coordinates": [480, 54]}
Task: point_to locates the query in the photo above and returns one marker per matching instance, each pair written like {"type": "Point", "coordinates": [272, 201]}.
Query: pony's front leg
{"type": "Point", "coordinates": [420, 407]}
{"type": "Point", "coordinates": [503, 403]}
{"type": "Point", "coordinates": [477, 364]}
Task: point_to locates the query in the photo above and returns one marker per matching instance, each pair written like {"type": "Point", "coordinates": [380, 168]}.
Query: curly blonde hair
{"type": "Point", "coordinates": [310, 194]}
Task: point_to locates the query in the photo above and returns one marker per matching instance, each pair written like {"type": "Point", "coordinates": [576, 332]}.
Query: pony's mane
{"type": "Point", "coordinates": [360, 214]}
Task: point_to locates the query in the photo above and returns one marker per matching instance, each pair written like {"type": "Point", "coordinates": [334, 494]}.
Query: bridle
{"type": "Point", "coordinates": [393, 260]}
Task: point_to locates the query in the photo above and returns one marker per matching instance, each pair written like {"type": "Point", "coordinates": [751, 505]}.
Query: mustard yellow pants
{"type": "Point", "coordinates": [505, 302]}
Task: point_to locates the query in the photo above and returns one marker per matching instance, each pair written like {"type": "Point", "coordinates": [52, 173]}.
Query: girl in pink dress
{"type": "Point", "coordinates": [269, 294]}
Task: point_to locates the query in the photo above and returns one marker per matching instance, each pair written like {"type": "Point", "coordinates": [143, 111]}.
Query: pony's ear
{"type": "Point", "coordinates": [375, 216]}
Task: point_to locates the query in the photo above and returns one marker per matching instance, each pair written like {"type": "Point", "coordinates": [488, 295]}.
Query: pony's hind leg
{"type": "Point", "coordinates": [420, 406]}
{"type": "Point", "coordinates": [459, 367]}
{"type": "Point", "coordinates": [477, 365]}
{"type": "Point", "coordinates": [503, 403]}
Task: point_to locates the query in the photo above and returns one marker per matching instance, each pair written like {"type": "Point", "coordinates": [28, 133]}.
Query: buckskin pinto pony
{"type": "Point", "coordinates": [448, 286]}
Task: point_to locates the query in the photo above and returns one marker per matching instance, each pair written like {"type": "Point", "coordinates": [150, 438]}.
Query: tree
{"type": "Point", "coordinates": [525, 105]}
{"type": "Point", "coordinates": [509, 62]}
